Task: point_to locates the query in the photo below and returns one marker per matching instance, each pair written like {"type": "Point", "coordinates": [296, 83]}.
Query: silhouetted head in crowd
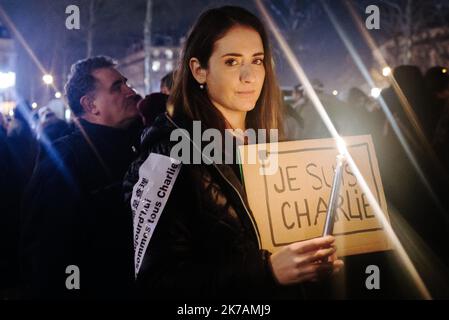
{"type": "Point", "coordinates": [357, 98]}
{"type": "Point", "coordinates": [45, 114]}
{"type": "Point", "coordinates": [3, 124]}
{"type": "Point", "coordinates": [409, 78]}
{"type": "Point", "coordinates": [22, 111]}
{"type": "Point", "coordinates": [413, 86]}
{"type": "Point", "coordinates": [167, 83]}
{"type": "Point", "coordinates": [152, 106]}
{"type": "Point", "coordinates": [98, 93]}
{"type": "Point", "coordinates": [411, 81]}
{"type": "Point", "coordinates": [298, 92]}
{"type": "Point", "coordinates": [437, 80]}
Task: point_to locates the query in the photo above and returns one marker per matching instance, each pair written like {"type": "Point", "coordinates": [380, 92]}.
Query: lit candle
{"type": "Point", "coordinates": [332, 206]}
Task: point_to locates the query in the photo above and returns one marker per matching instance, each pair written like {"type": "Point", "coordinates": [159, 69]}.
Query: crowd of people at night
{"type": "Point", "coordinates": [67, 187]}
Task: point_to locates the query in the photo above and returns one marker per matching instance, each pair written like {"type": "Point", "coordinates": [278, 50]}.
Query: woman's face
{"type": "Point", "coordinates": [236, 72]}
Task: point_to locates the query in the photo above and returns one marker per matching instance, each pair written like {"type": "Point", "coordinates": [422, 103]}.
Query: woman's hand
{"type": "Point", "coordinates": [309, 260]}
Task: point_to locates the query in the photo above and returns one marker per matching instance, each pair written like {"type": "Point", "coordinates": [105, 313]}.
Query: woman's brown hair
{"type": "Point", "coordinates": [189, 99]}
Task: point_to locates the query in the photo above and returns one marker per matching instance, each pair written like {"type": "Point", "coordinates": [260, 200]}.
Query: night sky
{"type": "Point", "coordinates": [120, 24]}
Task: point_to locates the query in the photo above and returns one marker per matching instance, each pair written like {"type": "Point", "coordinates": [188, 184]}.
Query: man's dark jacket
{"type": "Point", "coordinates": [74, 215]}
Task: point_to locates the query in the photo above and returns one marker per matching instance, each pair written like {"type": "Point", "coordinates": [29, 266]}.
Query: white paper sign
{"type": "Point", "coordinates": [157, 175]}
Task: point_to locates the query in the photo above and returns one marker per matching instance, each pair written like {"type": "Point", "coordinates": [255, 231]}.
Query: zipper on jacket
{"type": "Point", "coordinates": [244, 206]}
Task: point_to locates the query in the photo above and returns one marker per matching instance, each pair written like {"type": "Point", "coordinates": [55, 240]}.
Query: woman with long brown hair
{"type": "Point", "coordinates": [195, 235]}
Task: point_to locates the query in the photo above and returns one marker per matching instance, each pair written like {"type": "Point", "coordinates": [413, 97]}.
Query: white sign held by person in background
{"type": "Point", "coordinates": [157, 175]}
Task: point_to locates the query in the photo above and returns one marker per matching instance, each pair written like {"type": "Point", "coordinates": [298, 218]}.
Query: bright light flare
{"type": "Point", "coordinates": [7, 80]}
{"type": "Point", "coordinates": [67, 114]}
{"type": "Point", "coordinates": [47, 78]}
{"type": "Point", "coordinates": [386, 71]}
{"type": "Point", "coordinates": [375, 92]}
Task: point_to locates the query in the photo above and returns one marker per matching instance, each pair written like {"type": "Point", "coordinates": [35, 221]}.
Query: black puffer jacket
{"type": "Point", "coordinates": [206, 244]}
